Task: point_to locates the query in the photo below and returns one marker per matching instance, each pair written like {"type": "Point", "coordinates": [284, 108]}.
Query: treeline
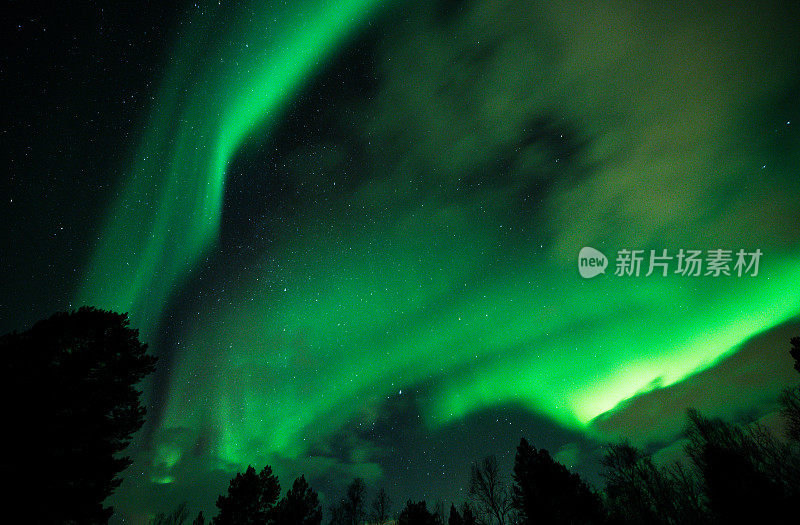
{"type": "Point", "coordinates": [73, 406]}
{"type": "Point", "coordinates": [731, 474]}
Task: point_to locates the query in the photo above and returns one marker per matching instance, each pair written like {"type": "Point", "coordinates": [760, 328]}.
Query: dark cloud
{"type": "Point", "coordinates": [742, 387]}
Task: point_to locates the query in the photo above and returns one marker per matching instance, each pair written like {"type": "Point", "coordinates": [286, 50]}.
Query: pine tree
{"type": "Point", "coordinates": [300, 506]}
{"type": "Point", "coordinates": [250, 499]}
{"type": "Point", "coordinates": [455, 517]}
{"type": "Point", "coordinates": [72, 379]}
{"type": "Point", "coordinates": [417, 514]}
{"type": "Point", "coordinates": [546, 492]}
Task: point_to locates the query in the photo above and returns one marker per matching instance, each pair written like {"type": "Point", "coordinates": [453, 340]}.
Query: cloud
{"type": "Point", "coordinates": [568, 455]}
{"type": "Point", "coordinates": [657, 99]}
{"type": "Point", "coordinates": [744, 385]}
{"type": "Point", "coordinates": [432, 222]}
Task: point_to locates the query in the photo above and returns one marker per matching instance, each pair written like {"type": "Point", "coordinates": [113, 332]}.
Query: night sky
{"type": "Point", "coordinates": [350, 229]}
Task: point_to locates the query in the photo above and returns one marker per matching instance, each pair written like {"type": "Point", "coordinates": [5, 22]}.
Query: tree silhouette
{"type": "Point", "coordinates": [639, 492]}
{"type": "Point", "coordinates": [790, 398]}
{"type": "Point", "coordinates": [355, 501]}
{"type": "Point", "coordinates": [455, 517]}
{"type": "Point", "coordinates": [795, 352]}
{"type": "Point", "coordinates": [69, 383]}
{"type": "Point", "coordinates": [300, 506]}
{"type": "Point", "coordinates": [467, 515]}
{"type": "Point", "coordinates": [463, 517]}
{"type": "Point", "coordinates": [381, 507]}
{"type": "Point", "coordinates": [790, 410]}
{"type": "Point", "coordinates": [546, 492]}
{"type": "Point", "coordinates": [250, 499]}
{"type": "Point", "coordinates": [487, 490]}
{"type": "Point", "coordinates": [417, 514]}
{"type": "Point", "coordinates": [748, 476]}
{"type": "Point", "coordinates": [351, 510]}
{"type": "Point", "coordinates": [438, 511]}
{"type": "Point", "coordinates": [337, 514]}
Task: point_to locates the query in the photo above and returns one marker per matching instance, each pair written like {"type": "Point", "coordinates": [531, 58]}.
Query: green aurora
{"type": "Point", "coordinates": [396, 283]}
{"type": "Point", "coordinates": [168, 212]}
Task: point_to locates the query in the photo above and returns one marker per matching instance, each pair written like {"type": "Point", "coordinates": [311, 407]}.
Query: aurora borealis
{"type": "Point", "coordinates": [350, 230]}
{"type": "Point", "coordinates": [199, 122]}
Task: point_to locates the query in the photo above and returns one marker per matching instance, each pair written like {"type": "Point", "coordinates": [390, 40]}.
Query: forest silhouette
{"type": "Point", "coordinates": [74, 406]}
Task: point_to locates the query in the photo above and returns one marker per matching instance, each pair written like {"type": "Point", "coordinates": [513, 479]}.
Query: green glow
{"type": "Point", "coordinates": [398, 308]}
{"type": "Point", "coordinates": [167, 215]}
{"type": "Point", "coordinates": [427, 290]}
{"type": "Point", "coordinates": [634, 353]}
